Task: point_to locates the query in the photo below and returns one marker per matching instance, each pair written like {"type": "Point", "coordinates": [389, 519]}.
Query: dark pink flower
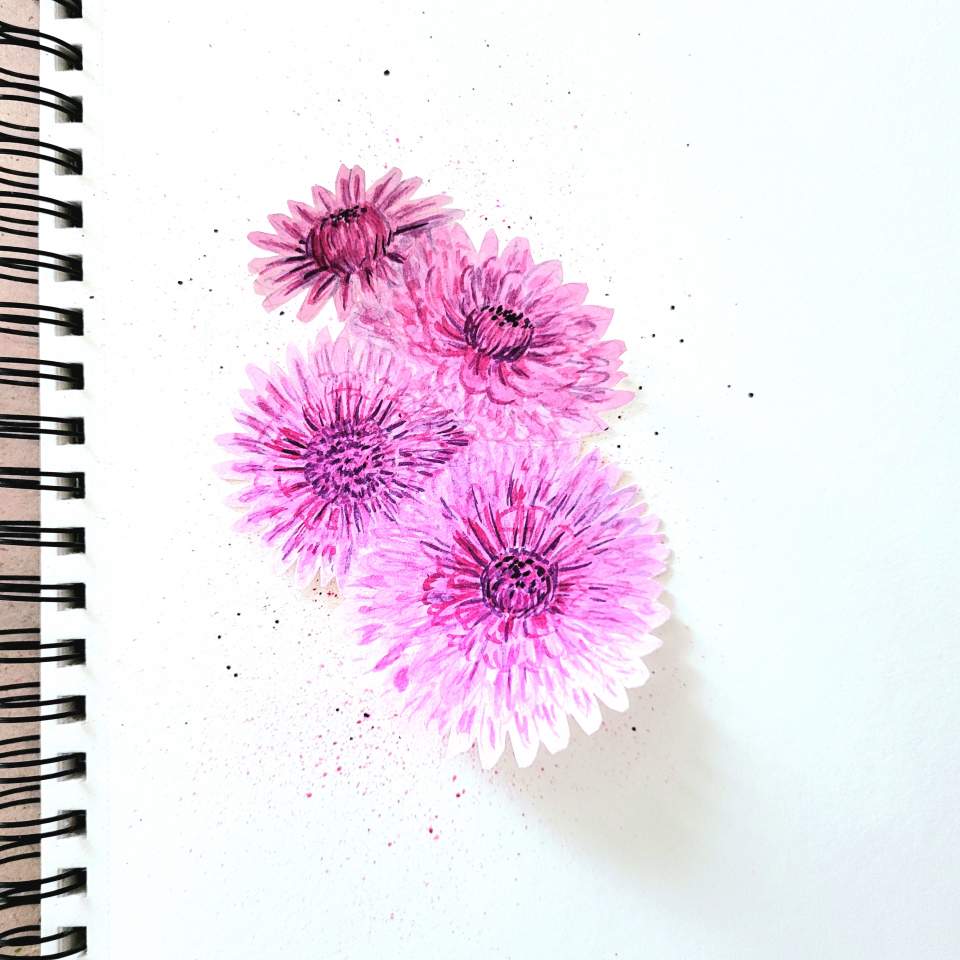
{"type": "Point", "coordinates": [352, 237]}
{"type": "Point", "coordinates": [522, 590]}
{"type": "Point", "coordinates": [331, 447]}
{"type": "Point", "coordinates": [520, 347]}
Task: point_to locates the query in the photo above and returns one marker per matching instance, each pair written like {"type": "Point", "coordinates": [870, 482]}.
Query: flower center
{"type": "Point", "coordinates": [346, 462]}
{"type": "Point", "coordinates": [498, 333]}
{"type": "Point", "coordinates": [349, 240]}
{"type": "Point", "coordinates": [518, 582]}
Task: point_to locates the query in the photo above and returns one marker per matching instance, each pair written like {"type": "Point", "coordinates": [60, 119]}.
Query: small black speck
{"type": "Point", "coordinates": [681, 339]}
{"type": "Point", "coordinates": [337, 709]}
{"type": "Point", "coordinates": [656, 433]}
{"type": "Point", "coordinates": [228, 666]}
{"type": "Point", "coordinates": [634, 729]}
{"type": "Point", "coordinates": [673, 306]}
{"type": "Point", "coordinates": [215, 230]}
{"type": "Point", "coordinates": [276, 621]}
{"type": "Point", "coordinates": [238, 613]}
{"type": "Point", "coordinates": [653, 335]}
{"type": "Point", "coordinates": [639, 388]}
{"type": "Point", "coordinates": [366, 715]}
{"type": "Point", "coordinates": [618, 446]}
{"type": "Point", "coordinates": [236, 674]}
{"type": "Point", "coordinates": [749, 394]}
{"type": "Point", "coordinates": [179, 283]}
{"type": "Point", "coordinates": [386, 73]}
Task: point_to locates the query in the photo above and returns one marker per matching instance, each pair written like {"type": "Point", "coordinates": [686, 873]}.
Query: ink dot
{"type": "Point", "coordinates": [673, 306]}
{"type": "Point", "coordinates": [179, 283]}
{"type": "Point", "coordinates": [749, 394]}
{"type": "Point", "coordinates": [386, 73]}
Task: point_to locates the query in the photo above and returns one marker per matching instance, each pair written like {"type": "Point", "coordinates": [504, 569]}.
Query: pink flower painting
{"type": "Point", "coordinates": [349, 239]}
{"type": "Point", "coordinates": [502, 578]}
{"type": "Point", "coordinates": [521, 348]}
{"type": "Point", "coordinates": [523, 591]}
{"type": "Point", "coordinates": [330, 448]}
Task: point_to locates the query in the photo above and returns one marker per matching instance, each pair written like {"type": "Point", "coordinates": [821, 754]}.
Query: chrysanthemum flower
{"type": "Point", "coordinates": [330, 448]}
{"type": "Point", "coordinates": [518, 344]}
{"type": "Point", "coordinates": [351, 237]}
{"type": "Point", "coordinates": [521, 591]}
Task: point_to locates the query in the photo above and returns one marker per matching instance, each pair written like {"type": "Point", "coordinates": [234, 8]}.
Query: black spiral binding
{"type": "Point", "coordinates": [22, 768]}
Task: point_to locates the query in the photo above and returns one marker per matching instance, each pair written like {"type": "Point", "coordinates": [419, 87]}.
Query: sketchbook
{"type": "Point", "coordinates": [486, 460]}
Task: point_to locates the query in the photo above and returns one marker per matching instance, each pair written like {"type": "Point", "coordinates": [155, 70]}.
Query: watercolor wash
{"type": "Point", "coordinates": [429, 458]}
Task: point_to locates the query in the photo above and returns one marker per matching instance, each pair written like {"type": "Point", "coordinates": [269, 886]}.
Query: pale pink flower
{"type": "Point", "coordinates": [353, 237]}
{"type": "Point", "coordinates": [519, 346]}
{"type": "Point", "coordinates": [331, 447]}
{"type": "Point", "coordinates": [522, 590]}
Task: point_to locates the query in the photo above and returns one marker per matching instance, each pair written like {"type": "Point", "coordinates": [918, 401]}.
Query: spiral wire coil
{"type": "Point", "coordinates": [24, 160]}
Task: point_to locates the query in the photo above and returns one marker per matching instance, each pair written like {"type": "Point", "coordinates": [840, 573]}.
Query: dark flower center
{"type": "Point", "coordinates": [518, 582]}
{"type": "Point", "coordinates": [498, 333]}
{"type": "Point", "coordinates": [346, 462]}
{"type": "Point", "coordinates": [349, 240]}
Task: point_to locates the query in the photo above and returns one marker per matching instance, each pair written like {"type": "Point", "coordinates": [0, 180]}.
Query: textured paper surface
{"type": "Point", "coordinates": [783, 786]}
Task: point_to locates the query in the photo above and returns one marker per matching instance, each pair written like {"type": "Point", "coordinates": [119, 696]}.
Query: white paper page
{"type": "Point", "coordinates": [767, 196]}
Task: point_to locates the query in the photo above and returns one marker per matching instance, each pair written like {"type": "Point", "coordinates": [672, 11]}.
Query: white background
{"type": "Point", "coordinates": [785, 786]}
